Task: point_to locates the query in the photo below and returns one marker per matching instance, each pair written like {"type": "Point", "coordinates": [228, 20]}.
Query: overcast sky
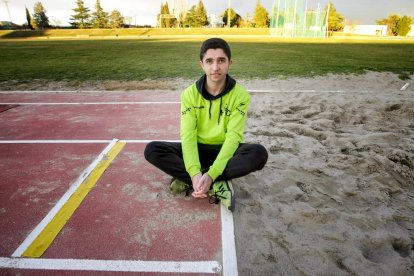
{"type": "Point", "coordinates": [144, 12]}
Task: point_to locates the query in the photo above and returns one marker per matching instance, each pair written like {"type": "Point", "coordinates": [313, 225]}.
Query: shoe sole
{"type": "Point", "coordinates": [232, 204]}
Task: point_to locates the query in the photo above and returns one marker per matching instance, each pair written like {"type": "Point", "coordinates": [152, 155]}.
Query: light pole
{"type": "Point", "coordinates": [228, 15]}
{"type": "Point", "coordinates": [8, 11]}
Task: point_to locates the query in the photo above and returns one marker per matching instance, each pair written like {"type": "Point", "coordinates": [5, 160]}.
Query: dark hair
{"type": "Point", "coordinates": [215, 43]}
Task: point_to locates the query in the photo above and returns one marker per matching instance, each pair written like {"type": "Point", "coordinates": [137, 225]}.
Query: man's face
{"type": "Point", "coordinates": [216, 65]}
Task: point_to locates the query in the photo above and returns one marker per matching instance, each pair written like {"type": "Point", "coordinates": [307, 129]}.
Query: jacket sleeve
{"type": "Point", "coordinates": [233, 137]}
{"type": "Point", "coordinates": [188, 132]}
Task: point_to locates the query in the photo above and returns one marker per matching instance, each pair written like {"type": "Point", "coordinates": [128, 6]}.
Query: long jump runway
{"type": "Point", "coordinates": [78, 197]}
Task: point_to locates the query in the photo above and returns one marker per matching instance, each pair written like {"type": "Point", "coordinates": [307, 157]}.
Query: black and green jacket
{"type": "Point", "coordinates": [212, 120]}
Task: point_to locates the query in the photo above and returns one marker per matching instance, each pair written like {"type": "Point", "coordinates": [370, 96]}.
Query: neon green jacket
{"type": "Point", "coordinates": [212, 120]}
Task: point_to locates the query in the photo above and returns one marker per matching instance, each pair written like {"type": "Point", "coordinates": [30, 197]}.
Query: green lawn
{"type": "Point", "coordinates": [171, 57]}
{"type": "Point", "coordinates": [133, 32]}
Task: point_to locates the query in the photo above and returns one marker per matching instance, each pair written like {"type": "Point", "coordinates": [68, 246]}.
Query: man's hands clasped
{"type": "Point", "coordinates": [201, 185]}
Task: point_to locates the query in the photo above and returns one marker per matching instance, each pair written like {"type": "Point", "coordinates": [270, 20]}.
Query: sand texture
{"type": "Point", "coordinates": [337, 194]}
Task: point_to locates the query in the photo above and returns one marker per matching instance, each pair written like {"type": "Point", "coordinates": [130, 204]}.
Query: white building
{"type": "Point", "coordinates": [215, 21]}
{"type": "Point", "coordinates": [411, 33]}
{"type": "Point", "coordinates": [378, 30]}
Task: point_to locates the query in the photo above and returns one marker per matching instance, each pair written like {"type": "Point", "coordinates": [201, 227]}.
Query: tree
{"type": "Point", "coordinates": [235, 18]}
{"type": "Point", "coordinates": [201, 14]}
{"type": "Point", "coordinates": [29, 19]}
{"type": "Point", "coordinates": [335, 19]}
{"type": "Point", "coordinates": [261, 16]}
{"type": "Point", "coordinates": [81, 17]}
{"type": "Point", "coordinates": [247, 22]}
{"type": "Point", "coordinates": [191, 18]}
{"type": "Point", "coordinates": [116, 20]}
{"type": "Point", "coordinates": [39, 21]}
{"type": "Point", "coordinates": [196, 17]}
{"type": "Point", "coordinates": [391, 21]}
{"type": "Point", "coordinates": [165, 19]}
{"type": "Point", "coordinates": [404, 25]}
{"type": "Point", "coordinates": [397, 25]}
{"type": "Point", "coordinates": [99, 17]}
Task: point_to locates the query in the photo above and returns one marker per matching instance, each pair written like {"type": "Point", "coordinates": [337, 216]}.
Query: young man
{"type": "Point", "coordinates": [213, 115]}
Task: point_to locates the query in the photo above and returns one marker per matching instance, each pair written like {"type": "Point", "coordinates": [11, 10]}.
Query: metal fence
{"type": "Point", "coordinates": [294, 18]}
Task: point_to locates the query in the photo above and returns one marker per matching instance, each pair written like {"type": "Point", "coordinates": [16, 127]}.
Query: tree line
{"type": "Point", "coordinates": [397, 25]}
{"type": "Point", "coordinates": [196, 17]}
{"type": "Point", "coordinates": [82, 18]}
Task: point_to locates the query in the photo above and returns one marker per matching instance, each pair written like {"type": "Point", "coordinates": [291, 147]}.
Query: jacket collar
{"type": "Point", "coordinates": [201, 87]}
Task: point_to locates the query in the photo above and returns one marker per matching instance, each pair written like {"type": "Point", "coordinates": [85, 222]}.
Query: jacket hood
{"type": "Point", "coordinates": [200, 84]}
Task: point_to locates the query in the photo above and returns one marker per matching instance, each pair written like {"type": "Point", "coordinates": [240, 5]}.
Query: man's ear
{"type": "Point", "coordinates": [231, 62]}
{"type": "Point", "coordinates": [201, 64]}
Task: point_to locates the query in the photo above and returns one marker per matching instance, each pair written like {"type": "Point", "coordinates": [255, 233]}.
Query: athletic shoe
{"type": "Point", "coordinates": [178, 186]}
{"type": "Point", "coordinates": [221, 192]}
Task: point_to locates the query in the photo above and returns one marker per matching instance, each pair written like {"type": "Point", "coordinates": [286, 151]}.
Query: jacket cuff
{"type": "Point", "coordinates": [213, 173]}
{"type": "Point", "coordinates": [193, 171]}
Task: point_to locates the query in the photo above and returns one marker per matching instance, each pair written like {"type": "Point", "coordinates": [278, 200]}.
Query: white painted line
{"type": "Point", "coordinates": [52, 213]}
{"type": "Point", "coordinates": [250, 90]}
{"type": "Point", "coordinates": [256, 91]}
{"type": "Point", "coordinates": [276, 91]}
{"type": "Point", "coordinates": [147, 141]}
{"type": "Point", "coordinates": [211, 267]}
{"type": "Point", "coordinates": [78, 141]}
{"type": "Point", "coordinates": [405, 86]}
{"type": "Point", "coordinates": [51, 91]}
{"type": "Point", "coordinates": [54, 141]}
{"type": "Point", "coordinates": [82, 91]}
{"type": "Point", "coordinates": [228, 241]}
{"type": "Point", "coordinates": [88, 103]}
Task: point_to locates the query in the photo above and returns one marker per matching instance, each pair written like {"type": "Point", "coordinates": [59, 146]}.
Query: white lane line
{"type": "Point", "coordinates": [83, 91]}
{"type": "Point", "coordinates": [78, 141]}
{"type": "Point", "coordinates": [111, 265]}
{"type": "Point", "coordinates": [88, 103]}
{"type": "Point", "coordinates": [250, 90]}
{"type": "Point", "coordinates": [55, 91]}
{"type": "Point", "coordinates": [276, 91]}
{"type": "Point", "coordinates": [52, 213]}
{"type": "Point", "coordinates": [228, 241]}
{"type": "Point", "coordinates": [264, 91]}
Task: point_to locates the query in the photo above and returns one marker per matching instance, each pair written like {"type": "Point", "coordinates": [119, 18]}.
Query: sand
{"type": "Point", "coordinates": [337, 194]}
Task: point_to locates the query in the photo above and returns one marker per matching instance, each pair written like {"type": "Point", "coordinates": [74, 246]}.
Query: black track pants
{"type": "Point", "coordinates": [168, 157]}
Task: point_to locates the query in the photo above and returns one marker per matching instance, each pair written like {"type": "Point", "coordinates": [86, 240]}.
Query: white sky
{"type": "Point", "coordinates": [145, 11]}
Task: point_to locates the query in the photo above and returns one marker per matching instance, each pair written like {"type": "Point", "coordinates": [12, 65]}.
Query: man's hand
{"type": "Point", "coordinates": [196, 181]}
{"type": "Point", "coordinates": [203, 185]}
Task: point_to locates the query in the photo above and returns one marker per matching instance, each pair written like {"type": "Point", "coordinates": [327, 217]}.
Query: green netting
{"type": "Point", "coordinates": [293, 18]}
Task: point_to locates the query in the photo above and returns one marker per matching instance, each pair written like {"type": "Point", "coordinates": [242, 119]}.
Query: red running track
{"type": "Point", "coordinates": [129, 214]}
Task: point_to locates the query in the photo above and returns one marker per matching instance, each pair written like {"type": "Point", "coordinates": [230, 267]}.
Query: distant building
{"type": "Point", "coordinates": [411, 33]}
{"type": "Point", "coordinates": [378, 30]}
{"type": "Point", "coordinates": [215, 21]}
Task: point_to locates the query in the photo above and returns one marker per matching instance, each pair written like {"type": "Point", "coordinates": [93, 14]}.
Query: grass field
{"type": "Point", "coordinates": [133, 32]}
{"type": "Point", "coordinates": [172, 57]}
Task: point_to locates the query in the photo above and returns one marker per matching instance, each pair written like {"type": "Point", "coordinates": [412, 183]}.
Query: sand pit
{"type": "Point", "coordinates": [337, 194]}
